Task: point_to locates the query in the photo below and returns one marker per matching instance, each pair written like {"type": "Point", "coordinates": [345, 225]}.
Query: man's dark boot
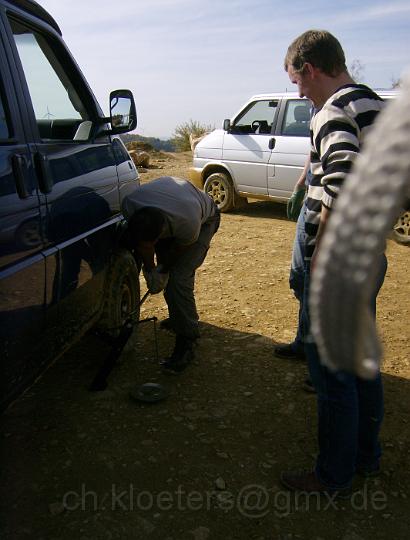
{"type": "Point", "coordinates": [166, 324]}
{"type": "Point", "coordinates": [289, 351]}
{"type": "Point", "coordinates": [181, 357]}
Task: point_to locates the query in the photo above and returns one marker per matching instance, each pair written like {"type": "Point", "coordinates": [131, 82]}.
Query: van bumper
{"type": "Point", "coordinates": [195, 176]}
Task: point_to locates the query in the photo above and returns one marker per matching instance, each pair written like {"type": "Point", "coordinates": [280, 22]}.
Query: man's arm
{"type": "Point", "coordinates": [296, 200]}
{"type": "Point", "coordinates": [146, 250]}
{"type": "Point", "coordinates": [324, 217]}
{"type": "Point", "coordinates": [168, 253]}
{"type": "Point", "coordinates": [338, 149]}
{"type": "Point", "coordinates": [301, 183]}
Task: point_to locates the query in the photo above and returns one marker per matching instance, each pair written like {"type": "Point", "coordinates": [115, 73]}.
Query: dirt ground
{"type": "Point", "coordinates": [204, 463]}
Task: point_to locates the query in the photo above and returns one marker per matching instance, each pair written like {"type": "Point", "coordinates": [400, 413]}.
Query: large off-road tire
{"type": "Point", "coordinates": [122, 293]}
{"type": "Point", "coordinates": [219, 186]}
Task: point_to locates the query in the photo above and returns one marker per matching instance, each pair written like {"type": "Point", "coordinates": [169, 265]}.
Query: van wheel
{"type": "Point", "coordinates": [122, 293]}
{"type": "Point", "coordinates": [219, 187]}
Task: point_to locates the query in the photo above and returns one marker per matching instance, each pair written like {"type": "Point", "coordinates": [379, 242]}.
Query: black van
{"type": "Point", "coordinates": [63, 175]}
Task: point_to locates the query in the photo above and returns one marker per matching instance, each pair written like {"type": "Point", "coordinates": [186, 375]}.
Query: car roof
{"type": "Point", "coordinates": [294, 95]}
{"type": "Point", "coordinates": [32, 7]}
{"type": "Point", "coordinates": [276, 95]}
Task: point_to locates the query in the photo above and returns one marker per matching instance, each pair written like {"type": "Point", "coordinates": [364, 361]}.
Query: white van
{"type": "Point", "coordinates": [259, 153]}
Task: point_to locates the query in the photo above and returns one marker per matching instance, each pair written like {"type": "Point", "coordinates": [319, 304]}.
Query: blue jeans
{"type": "Point", "coordinates": [350, 411]}
{"type": "Point", "coordinates": [297, 275]}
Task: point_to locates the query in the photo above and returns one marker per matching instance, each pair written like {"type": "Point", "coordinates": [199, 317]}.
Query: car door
{"type": "Point", "coordinates": [290, 147]}
{"type": "Point", "coordinates": [77, 175]}
{"type": "Point", "coordinates": [246, 148]}
{"type": "Point", "coordinates": [22, 264]}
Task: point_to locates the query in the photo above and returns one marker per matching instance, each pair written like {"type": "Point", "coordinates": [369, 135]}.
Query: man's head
{"type": "Point", "coordinates": [144, 226]}
{"type": "Point", "coordinates": [315, 61]}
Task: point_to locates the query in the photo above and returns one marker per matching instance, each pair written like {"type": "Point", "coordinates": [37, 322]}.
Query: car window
{"type": "Point", "coordinates": [120, 152]}
{"type": "Point", "coordinates": [296, 121]}
{"type": "Point", "coordinates": [59, 111]}
{"type": "Point", "coordinates": [258, 118]}
{"type": "Point", "coordinates": [4, 128]}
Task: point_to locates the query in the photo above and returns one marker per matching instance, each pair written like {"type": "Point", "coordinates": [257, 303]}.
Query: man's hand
{"type": "Point", "coordinates": [295, 204]}
{"type": "Point", "coordinates": [156, 279]}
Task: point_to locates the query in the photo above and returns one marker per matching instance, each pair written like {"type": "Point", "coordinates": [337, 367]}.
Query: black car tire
{"type": "Point", "coordinates": [122, 293]}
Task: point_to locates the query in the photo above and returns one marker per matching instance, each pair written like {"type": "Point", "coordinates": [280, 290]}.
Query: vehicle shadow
{"type": "Point", "coordinates": [262, 209]}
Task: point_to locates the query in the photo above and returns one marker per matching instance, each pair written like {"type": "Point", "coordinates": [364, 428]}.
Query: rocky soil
{"type": "Point", "coordinates": [205, 462]}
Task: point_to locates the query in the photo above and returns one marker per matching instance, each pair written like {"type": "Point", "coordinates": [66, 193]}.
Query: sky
{"type": "Point", "coordinates": [202, 60]}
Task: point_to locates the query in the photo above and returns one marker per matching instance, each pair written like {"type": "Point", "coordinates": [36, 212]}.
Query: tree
{"type": "Point", "coordinates": [182, 132]}
{"type": "Point", "coordinates": [357, 70]}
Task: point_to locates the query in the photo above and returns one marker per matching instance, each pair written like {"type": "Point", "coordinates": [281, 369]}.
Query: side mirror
{"type": "Point", "coordinates": [123, 115]}
{"type": "Point", "coordinates": [227, 124]}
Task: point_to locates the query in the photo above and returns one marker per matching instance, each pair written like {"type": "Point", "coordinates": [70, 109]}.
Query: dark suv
{"type": "Point", "coordinates": [63, 175]}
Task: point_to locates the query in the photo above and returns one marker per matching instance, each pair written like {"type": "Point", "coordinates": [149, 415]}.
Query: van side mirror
{"type": "Point", "coordinates": [123, 115]}
{"type": "Point", "coordinates": [227, 124]}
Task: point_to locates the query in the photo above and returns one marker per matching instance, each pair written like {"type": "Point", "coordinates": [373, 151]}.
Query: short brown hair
{"type": "Point", "coordinates": [319, 48]}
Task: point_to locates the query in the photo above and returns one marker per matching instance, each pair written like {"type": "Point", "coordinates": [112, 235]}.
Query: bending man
{"type": "Point", "coordinates": [170, 225]}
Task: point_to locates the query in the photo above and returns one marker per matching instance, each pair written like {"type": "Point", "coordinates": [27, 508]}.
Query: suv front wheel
{"type": "Point", "coordinates": [122, 293]}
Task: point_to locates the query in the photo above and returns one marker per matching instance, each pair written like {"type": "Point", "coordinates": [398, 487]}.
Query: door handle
{"type": "Point", "coordinates": [18, 164]}
{"type": "Point", "coordinates": [272, 143]}
{"type": "Point", "coordinates": [45, 181]}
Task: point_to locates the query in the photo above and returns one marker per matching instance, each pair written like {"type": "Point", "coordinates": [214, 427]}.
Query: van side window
{"type": "Point", "coordinates": [59, 111]}
{"type": "Point", "coordinates": [258, 118]}
{"type": "Point", "coordinates": [297, 118]}
{"type": "Point", "coordinates": [4, 128]}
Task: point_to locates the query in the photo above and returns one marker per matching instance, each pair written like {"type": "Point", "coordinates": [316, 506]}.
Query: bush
{"type": "Point", "coordinates": [183, 131]}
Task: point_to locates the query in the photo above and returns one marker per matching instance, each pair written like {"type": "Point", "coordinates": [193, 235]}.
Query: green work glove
{"type": "Point", "coordinates": [295, 204]}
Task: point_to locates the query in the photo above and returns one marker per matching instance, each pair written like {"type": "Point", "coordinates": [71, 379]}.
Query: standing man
{"type": "Point", "coordinates": [350, 409]}
{"type": "Point", "coordinates": [170, 226]}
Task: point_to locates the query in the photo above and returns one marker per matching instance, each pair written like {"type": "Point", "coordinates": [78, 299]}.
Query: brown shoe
{"type": "Point", "coordinates": [308, 482]}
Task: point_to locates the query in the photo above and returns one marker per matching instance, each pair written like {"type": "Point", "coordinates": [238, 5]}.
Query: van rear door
{"type": "Point", "coordinates": [291, 147]}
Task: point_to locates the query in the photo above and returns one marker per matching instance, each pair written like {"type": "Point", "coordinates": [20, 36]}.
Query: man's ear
{"type": "Point", "coordinates": [311, 71]}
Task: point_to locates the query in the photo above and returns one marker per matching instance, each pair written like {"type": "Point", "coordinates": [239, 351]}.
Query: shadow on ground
{"type": "Point", "coordinates": [262, 209]}
{"type": "Point", "coordinates": [203, 464]}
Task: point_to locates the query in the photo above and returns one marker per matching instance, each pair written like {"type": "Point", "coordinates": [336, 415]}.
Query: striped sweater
{"type": "Point", "coordinates": [336, 132]}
